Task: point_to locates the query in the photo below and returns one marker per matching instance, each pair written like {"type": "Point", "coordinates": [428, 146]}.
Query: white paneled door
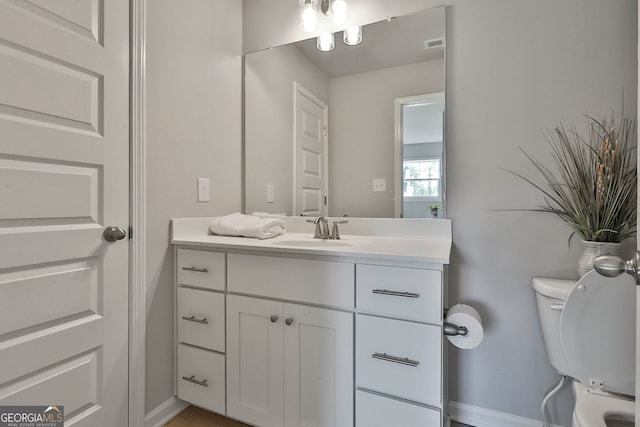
{"type": "Point", "coordinates": [310, 154]}
{"type": "Point", "coordinates": [64, 177]}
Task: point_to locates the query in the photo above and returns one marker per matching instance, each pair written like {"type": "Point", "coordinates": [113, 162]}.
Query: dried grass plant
{"type": "Point", "coordinates": [591, 183]}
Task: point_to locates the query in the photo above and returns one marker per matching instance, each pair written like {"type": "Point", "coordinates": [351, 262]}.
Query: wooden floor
{"type": "Point", "coordinates": [196, 417]}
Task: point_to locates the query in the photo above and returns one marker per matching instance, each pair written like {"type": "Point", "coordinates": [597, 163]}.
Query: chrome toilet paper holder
{"type": "Point", "coordinates": [451, 330]}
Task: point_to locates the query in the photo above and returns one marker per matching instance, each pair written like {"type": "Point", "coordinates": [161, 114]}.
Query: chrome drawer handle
{"type": "Point", "coordinates": [396, 293]}
{"type": "Point", "coordinates": [196, 269]}
{"type": "Point", "coordinates": [395, 359]}
{"type": "Point", "coordinates": [193, 319]}
{"type": "Point", "coordinates": [192, 379]}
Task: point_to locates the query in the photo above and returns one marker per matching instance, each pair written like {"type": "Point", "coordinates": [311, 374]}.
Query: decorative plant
{"type": "Point", "coordinates": [592, 181]}
{"type": "Point", "coordinates": [434, 209]}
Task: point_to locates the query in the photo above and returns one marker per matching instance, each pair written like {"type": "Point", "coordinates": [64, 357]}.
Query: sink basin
{"type": "Point", "coordinates": [313, 243]}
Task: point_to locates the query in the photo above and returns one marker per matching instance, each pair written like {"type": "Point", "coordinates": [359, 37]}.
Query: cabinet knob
{"type": "Point", "coordinates": [288, 321]}
{"type": "Point", "coordinates": [274, 318]}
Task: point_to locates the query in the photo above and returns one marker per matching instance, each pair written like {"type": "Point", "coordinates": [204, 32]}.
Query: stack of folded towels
{"type": "Point", "coordinates": [237, 224]}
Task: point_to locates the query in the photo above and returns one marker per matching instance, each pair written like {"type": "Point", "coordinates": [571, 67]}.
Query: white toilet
{"type": "Point", "coordinates": [589, 331]}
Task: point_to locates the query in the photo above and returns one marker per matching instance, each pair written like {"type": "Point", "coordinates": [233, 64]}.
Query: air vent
{"type": "Point", "coordinates": [431, 44]}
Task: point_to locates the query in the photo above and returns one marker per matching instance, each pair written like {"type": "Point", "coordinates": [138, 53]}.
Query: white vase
{"type": "Point", "coordinates": [592, 250]}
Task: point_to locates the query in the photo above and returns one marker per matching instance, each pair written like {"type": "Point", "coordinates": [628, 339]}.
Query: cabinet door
{"type": "Point", "coordinates": [318, 367]}
{"type": "Point", "coordinates": [254, 360]}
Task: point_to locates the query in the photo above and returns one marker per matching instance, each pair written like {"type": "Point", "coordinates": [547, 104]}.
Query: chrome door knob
{"type": "Point", "coordinates": [288, 321]}
{"type": "Point", "coordinates": [274, 318]}
{"type": "Point", "coordinates": [613, 266]}
{"type": "Point", "coordinates": [113, 233]}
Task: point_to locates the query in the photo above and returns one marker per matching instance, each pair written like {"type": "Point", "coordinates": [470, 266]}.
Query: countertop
{"type": "Point", "coordinates": [430, 246]}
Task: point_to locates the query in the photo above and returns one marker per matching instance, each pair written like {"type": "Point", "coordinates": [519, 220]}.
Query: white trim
{"type": "Point", "coordinates": [397, 146]}
{"type": "Point", "coordinates": [481, 417]}
{"type": "Point", "coordinates": [165, 412]}
{"type": "Point", "coordinates": [137, 297]}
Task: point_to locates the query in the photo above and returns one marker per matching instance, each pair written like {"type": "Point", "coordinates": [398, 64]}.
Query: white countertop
{"type": "Point", "coordinates": [431, 244]}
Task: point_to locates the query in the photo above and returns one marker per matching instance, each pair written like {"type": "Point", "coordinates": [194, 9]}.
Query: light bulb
{"type": "Point", "coordinates": [308, 19]}
{"type": "Point", "coordinates": [326, 42]}
{"type": "Point", "coordinates": [339, 9]}
{"type": "Point", "coordinates": [352, 36]}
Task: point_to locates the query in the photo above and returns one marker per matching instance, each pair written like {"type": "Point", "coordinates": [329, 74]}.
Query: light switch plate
{"type": "Point", "coordinates": [203, 190]}
{"type": "Point", "coordinates": [379, 184]}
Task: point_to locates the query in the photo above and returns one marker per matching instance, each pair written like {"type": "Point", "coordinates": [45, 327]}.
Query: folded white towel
{"type": "Point", "coordinates": [237, 224]}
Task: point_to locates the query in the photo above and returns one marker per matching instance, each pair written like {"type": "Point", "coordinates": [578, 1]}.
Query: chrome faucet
{"type": "Point", "coordinates": [322, 228]}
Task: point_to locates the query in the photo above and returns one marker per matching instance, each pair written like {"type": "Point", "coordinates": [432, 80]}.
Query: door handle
{"type": "Point", "coordinates": [613, 266]}
{"type": "Point", "coordinates": [113, 233]}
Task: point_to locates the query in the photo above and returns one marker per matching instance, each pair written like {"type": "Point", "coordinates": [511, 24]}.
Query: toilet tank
{"type": "Point", "coordinates": [550, 297]}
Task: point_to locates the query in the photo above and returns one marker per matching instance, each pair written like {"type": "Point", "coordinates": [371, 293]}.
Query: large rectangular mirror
{"type": "Point", "coordinates": [356, 131]}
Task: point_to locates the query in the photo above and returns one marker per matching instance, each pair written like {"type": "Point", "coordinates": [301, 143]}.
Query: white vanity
{"type": "Point", "coordinates": [293, 331]}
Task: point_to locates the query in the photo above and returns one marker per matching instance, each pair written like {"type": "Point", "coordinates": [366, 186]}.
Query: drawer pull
{"type": "Point", "coordinates": [192, 379]}
{"type": "Point", "coordinates": [396, 293]}
{"type": "Point", "coordinates": [196, 269]}
{"type": "Point", "coordinates": [395, 359]}
{"type": "Point", "coordinates": [193, 319]}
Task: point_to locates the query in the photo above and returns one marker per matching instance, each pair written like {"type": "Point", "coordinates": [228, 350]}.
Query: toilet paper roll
{"type": "Point", "coordinates": [467, 316]}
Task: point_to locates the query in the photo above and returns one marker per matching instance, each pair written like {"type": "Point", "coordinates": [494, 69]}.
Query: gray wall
{"type": "Point", "coordinates": [514, 68]}
{"type": "Point", "coordinates": [361, 134]}
{"type": "Point", "coordinates": [193, 129]}
{"type": "Point", "coordinates": [269, 77]}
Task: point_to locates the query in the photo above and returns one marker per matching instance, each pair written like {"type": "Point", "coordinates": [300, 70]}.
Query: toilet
{"type": "Point", "coordinates": [588, 328]}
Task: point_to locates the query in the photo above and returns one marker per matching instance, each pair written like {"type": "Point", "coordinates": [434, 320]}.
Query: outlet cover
{"type": "Point", "coordinates": [270, 193]}
{"type": "Point", "coordinates": [203, 190]}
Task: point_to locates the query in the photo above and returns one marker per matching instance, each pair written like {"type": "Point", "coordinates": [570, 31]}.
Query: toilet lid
{"type": "Point", "coordinates": [597, 332]}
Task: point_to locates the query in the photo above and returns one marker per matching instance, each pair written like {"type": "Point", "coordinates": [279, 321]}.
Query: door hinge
{"type": "Point", "coordinates": [325, 200]}
{"type": "Point", "coordinates": [130, 232]}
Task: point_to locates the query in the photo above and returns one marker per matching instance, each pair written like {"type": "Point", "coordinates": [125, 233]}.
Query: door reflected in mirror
{"type": "Point", "coordinates": [419, 122]}
{"type": "Point", "coordinates": [323, 130]}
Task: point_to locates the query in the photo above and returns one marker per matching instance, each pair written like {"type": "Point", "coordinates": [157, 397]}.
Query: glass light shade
{"type": "Point", "coordinates": [339, 9]}
{"type": "Point", "coordinates": [308, 18]}
{"type": "Point", "coordinates": [326, 42]}
{"type": "Point", "coordinates": [352, 36]}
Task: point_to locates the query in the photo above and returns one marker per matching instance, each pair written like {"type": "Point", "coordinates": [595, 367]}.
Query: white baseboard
{"type": "Point", "coordinates": [164, 412]}
{"type": "Point", "coordinates": [481, 417]}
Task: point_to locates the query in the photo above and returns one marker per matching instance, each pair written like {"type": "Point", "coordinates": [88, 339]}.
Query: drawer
{"type": "Point", "coordinates": [378, 411]}
{"type": "Point", "coordinates": [319, 282]}
{"type": "Point", "coordinates": [399, 358]}
{"type": "Point", "coordinates": [203, 269]}
{"type": "Point", "coordinates": [201, 378]}
{"type": "Point", "coordinates": [409, 293]}
{"type": "Point", "coordinates": [201, 318]}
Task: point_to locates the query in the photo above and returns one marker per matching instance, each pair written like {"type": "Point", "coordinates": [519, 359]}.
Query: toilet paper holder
{"type": "Point", "coordinates": [452, 330]}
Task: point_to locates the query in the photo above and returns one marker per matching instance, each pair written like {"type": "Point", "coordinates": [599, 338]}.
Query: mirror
{"type": "Point", "coordinates": [356, 131]}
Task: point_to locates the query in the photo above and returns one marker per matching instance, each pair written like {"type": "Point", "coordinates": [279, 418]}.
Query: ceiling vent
{"type": "Point", "coordinates": [432, 44]}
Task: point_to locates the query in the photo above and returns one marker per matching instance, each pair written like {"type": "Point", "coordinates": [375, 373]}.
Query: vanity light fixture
{"type": "Point", "coordinates": [339, 10]}
{"type": "Point", "coordinates": [311, 9]}
{"type": "Point", "coordinates": [326, 42]}
{"type": "Point", "coordinates": [352, 36]}
{"type": "Point", "coordinates": [308, 16]}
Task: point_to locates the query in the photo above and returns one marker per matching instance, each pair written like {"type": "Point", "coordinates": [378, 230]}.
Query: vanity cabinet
{"type": "Point", "coordinates": [200, 328]}
{"type": "Point", "coordinates": [278, 336]}
{"type": "Point", "coordinates": [399, 346]}
{"type": "Point", "coordinates": [288, 364]}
